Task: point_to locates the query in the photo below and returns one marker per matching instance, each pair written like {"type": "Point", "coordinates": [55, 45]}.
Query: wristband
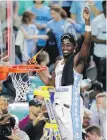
{"type": "Point", "coordinates": [87, 28]}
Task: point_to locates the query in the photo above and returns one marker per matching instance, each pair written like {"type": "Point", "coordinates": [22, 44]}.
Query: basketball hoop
{"type": "Point", "coordinates": [26, 68]}
{"type": "Point", "coordinates": [17, 73]}
{"type": "Point", "coordinates": [3, 72]}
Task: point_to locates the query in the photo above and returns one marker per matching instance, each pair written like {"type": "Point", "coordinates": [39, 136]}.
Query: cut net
{"type": "Point", "coordinates": [21, 84]}
{"type": "Point", "coordinates": [20, 78]}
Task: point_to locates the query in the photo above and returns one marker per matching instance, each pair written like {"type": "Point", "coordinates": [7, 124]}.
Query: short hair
{"type": "Point", "coordinates": [97, 86]}
{"type": "Point", "coordinates": [57, 8]}
{"type": "Point", "coordinates": [35, 103]}
{"type": "Point", "coordinates": [71, 38]}
{"type": "Point", "coordinates": [94, 129]}
{"type": "Point", "coordinates": [27, 17]}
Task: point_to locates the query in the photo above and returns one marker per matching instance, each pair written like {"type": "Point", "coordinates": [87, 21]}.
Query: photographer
{"type": "Point", "coordinates": [8, 124]}
{"type": "Point", "coordinates": [8, 130]}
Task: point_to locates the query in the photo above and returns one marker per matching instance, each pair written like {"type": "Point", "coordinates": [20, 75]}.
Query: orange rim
{"type": "Point", "coordinates": [3, 76]}
{"type": "Point", "coordinates": [4, 69]}
{"type": "Point", "coordinates": [26, 68]}
{"type": "Point", "coordinates": [4, 72]}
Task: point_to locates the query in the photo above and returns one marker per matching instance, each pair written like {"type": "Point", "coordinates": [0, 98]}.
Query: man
{"type": "Point", "coordinates": [86, 121]}
{"type": "Point", "coordinates": [67, 77]}
{"type": "Point", "coordinates": [76, 15]}
{"type": "Point", "coordinates": [93, 133]}
{"type": "Point", "coordinates": [34, 123]}
{"type": "Point", "coordinates": [102, 108]}
{"type": "Point", "coordinates": [11, 121]}
{"type": "Point", "coordinates": [85, 90]}
{"type": "Point", "coordinates": [86, 118]}
{"type": "Point", "coordinates": [99, 37]}
{"type": "Point", "coordinates": [34, 109]}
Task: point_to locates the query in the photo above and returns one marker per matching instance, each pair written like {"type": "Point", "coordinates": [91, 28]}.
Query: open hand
{"type": "Point", "coordinates": [86, 13]}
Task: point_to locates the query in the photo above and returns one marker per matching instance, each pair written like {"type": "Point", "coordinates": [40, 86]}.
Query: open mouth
{"type": "Point", "coordinates": [65, 52]}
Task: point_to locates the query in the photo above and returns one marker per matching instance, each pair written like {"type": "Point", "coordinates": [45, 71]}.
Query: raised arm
{"type": "Point", "coordinates": [81, 57]}
{"type": "Point", "coordinates": [47, 80]}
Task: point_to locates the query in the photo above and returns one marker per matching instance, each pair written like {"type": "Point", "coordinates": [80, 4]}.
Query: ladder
{"type": "Point", "coordinates": [51, 131]}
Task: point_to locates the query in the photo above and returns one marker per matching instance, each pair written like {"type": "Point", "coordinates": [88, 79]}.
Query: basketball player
{"type": "Point", "coordinates": [67, 78]}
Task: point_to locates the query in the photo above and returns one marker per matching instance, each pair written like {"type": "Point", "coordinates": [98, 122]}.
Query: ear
{"type": "Point", "coordinates": [76, 49]}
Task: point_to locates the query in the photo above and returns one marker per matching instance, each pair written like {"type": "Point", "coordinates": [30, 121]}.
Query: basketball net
{"type": "Point", "coordinates": [21, 83]}
{"type": "Point", "coordinates": [22, 87]}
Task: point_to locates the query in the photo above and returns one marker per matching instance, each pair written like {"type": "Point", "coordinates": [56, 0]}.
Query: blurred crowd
{"type": "Point", "coordinates": [39, 25]}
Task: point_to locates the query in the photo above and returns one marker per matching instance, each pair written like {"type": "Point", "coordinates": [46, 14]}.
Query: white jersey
{"type": "Point", "coordinates": [66, 97]}
{"type": "Point", "coordinates": [58, 73]}
{"type": "Point", "coordinates": [70, 120]}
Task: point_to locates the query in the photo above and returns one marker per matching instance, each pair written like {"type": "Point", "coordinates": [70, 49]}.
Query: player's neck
{"type": "Point", "coordinates": [63, 61]}
{"type": "Point", "coordinates": [66, 58]}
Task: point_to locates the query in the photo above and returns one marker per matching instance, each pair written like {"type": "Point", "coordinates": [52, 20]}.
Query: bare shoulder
{"type": "Point", "coordinates": [58, 59]}
{"type": "Point", "coordinates": [56, 63]}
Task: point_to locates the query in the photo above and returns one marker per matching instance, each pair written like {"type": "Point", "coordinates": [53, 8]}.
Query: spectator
{"type": "Point", "coordinates": [97, 87]}
{"type": "Point", "coordinates": [27, 36]}
{"type": "Point", "coordinates": [99, 36]}
{"type": "Point", "coordinates": [93, 133]}
{"type": "Point", "coordinates": [86, 118]}
{"type": "Point", "coordinates": [13, 132]}
{"type": "Point", "coordinates": [77, 7]}
{"type": "Point", "coordinates": [34, 127]}
{"type": "Point", "coordinates": [31, 29]}
{"type": "Point", "coordinates": [42, 16]}
{"type": "Point", "coordinates": [24, 5]}
{"type": "Point", "coordinates": [32, 110]}
{"type": "Point", "coordinates": [60, 24]}
{"type": "Point", "coordinates": [85, 90]}
{"type": "Point", "coordinates": [101, 106]}
{"type": "Point", "coordinates": [85, 84]}
{"type": "Point", "coordinates": [8, 131]}
{"type": "Point", "coordinates": [64, 4]}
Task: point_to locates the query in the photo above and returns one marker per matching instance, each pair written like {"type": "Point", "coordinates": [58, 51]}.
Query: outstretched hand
{"type": "Point", "coordinates": [33, 59]}
{"type": "Point", "coordinates": [86, 13]}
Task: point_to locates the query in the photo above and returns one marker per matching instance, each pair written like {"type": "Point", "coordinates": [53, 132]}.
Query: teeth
{"type": "Point", "coordinates": [65, 51]}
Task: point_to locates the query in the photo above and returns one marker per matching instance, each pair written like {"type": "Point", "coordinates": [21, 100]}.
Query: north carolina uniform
{"type": "Point", "coordinates": [68, 106]}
